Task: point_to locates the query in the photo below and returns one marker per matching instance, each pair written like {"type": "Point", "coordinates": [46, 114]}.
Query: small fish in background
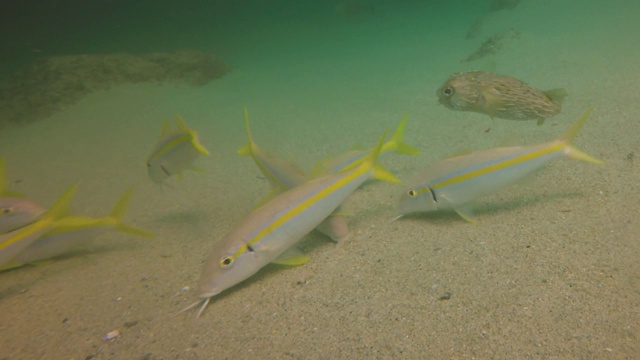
{"type": "Point", "coordinates": [284, 175]}
{"type": "Point", "coordinates": [499, 96]}
{"type": "Point", "coordinates": [72, 232]}
{"type": "Point", "coordinates": [175, 151]}
{"type": "Point", "coordinates": [15, 210]}
{"type": "Point", "coordinates": [475, 29]}
{"type": "Point", "coordinates": [353, 8]}
{"type": "Point", "coordinates": [493, 44]}
{"type": "Point", "coordinates": [456, 182]}
{"type": "Point", "coordinates": [268, 233]}
{"type": "Point", "coordinates": [14, 242]}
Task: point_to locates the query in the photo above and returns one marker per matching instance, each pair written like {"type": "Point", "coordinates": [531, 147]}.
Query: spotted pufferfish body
{"type": "Point", "coordinates": [499, 96]}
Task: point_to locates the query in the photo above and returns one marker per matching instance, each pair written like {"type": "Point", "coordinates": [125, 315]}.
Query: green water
{"type": "Point", "coordinates": [549, 271]}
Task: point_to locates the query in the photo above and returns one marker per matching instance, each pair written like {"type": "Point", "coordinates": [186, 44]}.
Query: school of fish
{"type": "Point", "coordinates": [300, 202]}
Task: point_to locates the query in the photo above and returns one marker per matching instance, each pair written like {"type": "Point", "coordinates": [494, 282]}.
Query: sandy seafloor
{"type": "Point", "coordinates": [551, 269]}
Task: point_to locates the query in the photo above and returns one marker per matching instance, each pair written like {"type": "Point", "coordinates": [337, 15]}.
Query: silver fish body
{"type": "Point", "coordinates": [270, 230]}
{"type": "Point", "coordinates": [283, 175]}
{"type": "Point", "coordinates": [275, 227]}
{"type": "Point", "coordinates": [14, 242]}
{"type": "Point", "coordinates": [456, 182]}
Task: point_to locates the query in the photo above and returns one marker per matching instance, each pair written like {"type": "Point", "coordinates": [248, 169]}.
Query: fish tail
{"type": "Point", "coordinates": [118, 212]}
{"type": "Point", "coordinates": [397, 144]}
{"type": "Point", "coordinates": [193, 135]}
{"type": "Point", "coordinates": [379, 172]}
{"type": "Point", "coordinates": [196, 144]}
{"type": "Point", "coordinates": [247, 150]}
{"type": "Point", "coordinates": [556, 96]}
{"type": "Point", "coordinates": [581, 155]}
{"type": "Point", "coordinates": [569, 135]}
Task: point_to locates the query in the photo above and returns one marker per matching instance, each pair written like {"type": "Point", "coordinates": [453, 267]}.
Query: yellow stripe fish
{"type": "Point", "coordinates": [284, 175]}
{"type": "Point", "coordinates": [71, 232]}
{"type": "Point", "coordinates": [456, 182]}
{"type": "Point", "coordinates": [175, 151]}
{"type": "Point", "coordinates": [14, 242]}
{"type": "Point", "coordinates": [275, 227]}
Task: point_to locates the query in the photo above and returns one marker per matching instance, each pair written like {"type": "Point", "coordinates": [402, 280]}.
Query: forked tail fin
{"type": "Point", "coordinates": [569, 135]}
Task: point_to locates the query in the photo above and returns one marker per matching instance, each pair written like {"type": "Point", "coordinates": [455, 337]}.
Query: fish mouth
{"type": "Point", "coordinates": [442, 100]}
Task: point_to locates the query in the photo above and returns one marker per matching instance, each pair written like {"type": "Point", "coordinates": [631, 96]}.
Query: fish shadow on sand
{"type": "Point", "coordinates": [46, 269]}
{"type": "Point", "coordinates": [496, 207]}
{"type": "Point", "coordinates": [20, 287]}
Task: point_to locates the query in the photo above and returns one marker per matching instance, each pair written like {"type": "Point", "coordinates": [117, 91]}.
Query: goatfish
{"type": "Point", "coordinates": [14, 242]}
{"type": "Point", "coordinates": [456, 182]}
{"type": "Point", "coordinates": [283, 175]}
{"type": "Point", "coordinates": [73, 231]}
{"type": "Point", "coordinates": [175, 151]}
{"type": "Point", "coordinates": [269, 231]}
{"type": "Point", "coordinates": [395, 144]}
{"type": "Point", "coordinates": [15, 211]}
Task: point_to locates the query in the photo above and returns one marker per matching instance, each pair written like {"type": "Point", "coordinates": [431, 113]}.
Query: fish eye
{"type": "Point", "coordinates": [6, 211]}
{"type": "Point", "coordinates": [413, 193]}
{"type": "Point", "coordinates": [448, 91]}
{"type": "Point", "coordinates": [226, 262]}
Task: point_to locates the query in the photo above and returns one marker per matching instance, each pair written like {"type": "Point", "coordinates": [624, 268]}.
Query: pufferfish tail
{"type": "Point", "coordinates": [556, 96]}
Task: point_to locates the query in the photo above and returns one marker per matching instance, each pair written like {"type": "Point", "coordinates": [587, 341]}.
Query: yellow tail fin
{"type": "Point", "coordinates": [193, 135]}
{"type": "Point", "coordinates": [570, 134]}
{"type": "Point", "coordinates": [118, 212]}
{"type": "Point", "coordinates": [247, 150]}
{"type": "Point", "coordinates": [379, 172]}
{"type": "Point", "coordinates": [397, 144]}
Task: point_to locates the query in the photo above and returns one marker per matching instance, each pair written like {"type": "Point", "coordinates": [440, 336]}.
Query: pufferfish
{"type": "Point", "coordinates": [499, 96]}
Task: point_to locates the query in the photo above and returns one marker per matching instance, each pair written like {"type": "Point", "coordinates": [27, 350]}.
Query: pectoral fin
{"type": "Point", "coordinates": [466, 212]}
{"type": "Point", "coordinates": [292, 257]}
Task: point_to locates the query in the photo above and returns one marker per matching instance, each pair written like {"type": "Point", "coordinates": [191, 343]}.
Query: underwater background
{"type": "Point", "coordinates": [550, 270]}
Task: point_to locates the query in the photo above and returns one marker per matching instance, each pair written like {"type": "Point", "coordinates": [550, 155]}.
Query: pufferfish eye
{"type": "Point", "coordinates": [448, 91]}
{"type": "Point", "coordinates": [412, 193]}
{"type": "Point", "coordinates": [226, 261]}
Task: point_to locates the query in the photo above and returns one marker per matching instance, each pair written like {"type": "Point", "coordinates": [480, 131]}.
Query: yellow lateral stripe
{"type": "Point", "coordinates": [23, 233]}
{"type": "Point", "coordinates": [170, 145]}
{"type": "Point", "coordinates": [499, 166]}
{"type": "Point", "coordinates": [302, 206]}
